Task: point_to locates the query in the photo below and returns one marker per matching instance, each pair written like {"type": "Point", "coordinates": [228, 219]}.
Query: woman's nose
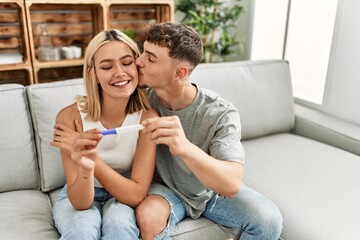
{"type": "Point", "coordinates": [119, 72]}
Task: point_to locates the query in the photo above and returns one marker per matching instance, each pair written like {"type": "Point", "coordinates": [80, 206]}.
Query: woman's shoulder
{"type": "Point", "coordinates": [68, 113]}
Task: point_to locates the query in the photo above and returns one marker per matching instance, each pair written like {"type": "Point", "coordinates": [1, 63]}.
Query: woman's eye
{"type": "Point", "coordinates": [106, 68]}
{"type": "Point", "coordinates": [127, 63]}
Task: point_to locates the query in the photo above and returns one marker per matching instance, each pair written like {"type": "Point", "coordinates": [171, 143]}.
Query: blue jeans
{"type": "Point", "coordinates": [105, 219]}
{"type": "Point", "coordinates": [255, 215]}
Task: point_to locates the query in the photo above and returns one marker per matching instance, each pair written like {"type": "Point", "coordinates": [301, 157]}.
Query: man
{"type": "Point", "coordinates": [200, 159]}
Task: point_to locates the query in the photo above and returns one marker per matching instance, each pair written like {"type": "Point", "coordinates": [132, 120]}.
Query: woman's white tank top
{"type": "Point", "coordinates": [116, 150]}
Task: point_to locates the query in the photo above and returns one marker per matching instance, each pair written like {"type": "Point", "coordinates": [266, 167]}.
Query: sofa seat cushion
{"type": "Point", "coordinates": [203, 228]}
{"type": "Point", "coordinates": [26, 214]}
{"type": "Point", "coordinates": [315, 186]}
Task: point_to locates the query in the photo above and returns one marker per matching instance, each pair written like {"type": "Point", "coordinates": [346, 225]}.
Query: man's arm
{"type": "Point", "coordinates": [223, 177]}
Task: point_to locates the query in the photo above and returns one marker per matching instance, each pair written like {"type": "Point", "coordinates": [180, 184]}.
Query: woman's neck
{"type": "Point", "coordinates": [113, 113]}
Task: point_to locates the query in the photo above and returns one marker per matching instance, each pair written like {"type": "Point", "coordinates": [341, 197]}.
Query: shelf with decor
{"type": "Point", "coordinates": [51, 36]}
{"type": "Point", "coordinates": [59, 32]}
{"type": "Point", "coordinates": [15, 62]}
{"type": "Point", "coordinates": [132, 16]}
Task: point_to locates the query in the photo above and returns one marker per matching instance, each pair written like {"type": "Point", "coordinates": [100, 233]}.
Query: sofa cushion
{"type": "Point", "coordinates": [26, 214]}
{"type": "Point", "coordinates": [17, 148]}
{"type": "Point", "coordinates": [260, 90]}
{"type": "Point", "coordinates": [316, 186]}
{"type": "Point", "coordinates": [45, 101]}
{"type": "Point", "coordinates": [327, 129]}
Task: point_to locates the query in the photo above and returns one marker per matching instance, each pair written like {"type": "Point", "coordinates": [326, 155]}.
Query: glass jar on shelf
{"type": "Point", "coordinates": [46, 51]}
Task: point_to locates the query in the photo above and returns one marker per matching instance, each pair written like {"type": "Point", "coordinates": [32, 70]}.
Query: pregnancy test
{"type": "Point", "coordinates": [125, 129]}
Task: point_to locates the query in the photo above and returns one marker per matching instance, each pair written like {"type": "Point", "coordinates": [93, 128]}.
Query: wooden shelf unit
{"type": "Point", "coordinates": [132, 16]}
{"type": "Point", "coordinates": [38, 23]}
{"type": "Point", "coordinates": [62, 23]}
{"type": "Point", "coordinates": [15, 61]}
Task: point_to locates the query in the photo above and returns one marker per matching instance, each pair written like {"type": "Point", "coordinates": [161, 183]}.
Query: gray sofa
{"type": "Point", "coordinates": [305, 161]}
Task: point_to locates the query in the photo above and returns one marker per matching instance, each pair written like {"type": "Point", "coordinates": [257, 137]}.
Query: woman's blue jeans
{"type": "Point", "coordinates": [106, 219]}
{"type": "Point", "coordinates": [254, 214]}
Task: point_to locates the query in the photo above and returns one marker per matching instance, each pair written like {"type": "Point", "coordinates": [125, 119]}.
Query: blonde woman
{"type": "Point", "coordinates": [106, 176]}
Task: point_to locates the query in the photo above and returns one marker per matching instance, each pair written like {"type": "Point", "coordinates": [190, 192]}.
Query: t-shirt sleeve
{"type": "Point", "coordinates": [226, 144]}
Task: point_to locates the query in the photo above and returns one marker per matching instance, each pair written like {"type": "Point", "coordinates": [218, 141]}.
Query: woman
{"type": "Point", "coordinates": [106, 176]}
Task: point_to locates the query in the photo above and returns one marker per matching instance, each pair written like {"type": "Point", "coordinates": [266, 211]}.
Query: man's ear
{"type": "Point", "coordinates": [182, 72]}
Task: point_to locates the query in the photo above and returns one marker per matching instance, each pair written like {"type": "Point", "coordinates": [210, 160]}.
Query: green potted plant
{"type": "Point", "coordinates": [213, 20]}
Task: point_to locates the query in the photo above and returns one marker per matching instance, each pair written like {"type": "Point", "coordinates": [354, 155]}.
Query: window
{"type": "Point", "coordinates": [306, 41]}
{"type": "Point", "coordinates": [269, 25]}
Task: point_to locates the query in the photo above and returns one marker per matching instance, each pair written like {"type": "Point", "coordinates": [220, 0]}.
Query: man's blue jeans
{"type": "Point", "coordinates": [254, 214]}
{"type": "Point", "coordinates": [106, 219]}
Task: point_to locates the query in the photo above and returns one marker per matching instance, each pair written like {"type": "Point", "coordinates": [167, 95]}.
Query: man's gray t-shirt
{"type": "Point", "coordinates": [212, 124]}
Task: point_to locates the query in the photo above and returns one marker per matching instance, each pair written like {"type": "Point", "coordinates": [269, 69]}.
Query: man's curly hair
{"type": "Point", "coordinates": [183, 42]}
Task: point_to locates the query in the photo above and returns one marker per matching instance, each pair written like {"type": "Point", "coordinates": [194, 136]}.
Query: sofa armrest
{"type": "Point", "coordinates": [327, 129]}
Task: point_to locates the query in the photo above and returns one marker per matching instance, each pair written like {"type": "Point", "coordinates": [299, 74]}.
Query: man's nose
{"type": "Point", "coordinates": [138, 61]}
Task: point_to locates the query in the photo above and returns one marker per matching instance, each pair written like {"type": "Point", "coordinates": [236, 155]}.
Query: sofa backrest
{"type": "Point", "coordinates": [260, 90]}
{"type": "Point", "coordinates": [45, 101]}
{"type": "Point", "coordinates": [18, 165]}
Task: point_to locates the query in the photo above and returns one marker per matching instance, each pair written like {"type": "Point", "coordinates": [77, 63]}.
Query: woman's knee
{"type": "Point", "coordinates": [119, 221]}
{"type": "Point", "coordinates": [115, 212]}
{"type": "Point", "coordinates": [79, 224]}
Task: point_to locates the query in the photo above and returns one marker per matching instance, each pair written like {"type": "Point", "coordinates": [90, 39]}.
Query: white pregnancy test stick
{"type": "Point", "coordinates": [118, 130]}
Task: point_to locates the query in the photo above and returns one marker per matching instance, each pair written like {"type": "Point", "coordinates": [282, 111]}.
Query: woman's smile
{"type": "Point", "coordinates": [121, 83]}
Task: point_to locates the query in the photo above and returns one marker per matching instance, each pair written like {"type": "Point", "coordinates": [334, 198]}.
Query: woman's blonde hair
{"type": "Point", "coordinates": [91, 103]}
